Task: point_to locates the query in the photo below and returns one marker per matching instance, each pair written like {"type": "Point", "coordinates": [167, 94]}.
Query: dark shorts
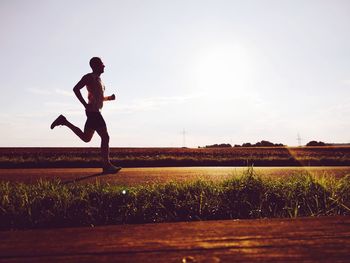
{"type": "Point", "coordinates": [94, 120]}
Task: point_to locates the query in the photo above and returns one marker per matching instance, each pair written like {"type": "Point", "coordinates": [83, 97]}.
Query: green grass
{"type": "Point", "coordinates": [53, 204]}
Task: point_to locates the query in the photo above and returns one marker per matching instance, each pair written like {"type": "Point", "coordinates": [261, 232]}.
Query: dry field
{"type": "Point", "coordinates": [153, 157]}
{"type": "Point", "coordinates": [161, 175]}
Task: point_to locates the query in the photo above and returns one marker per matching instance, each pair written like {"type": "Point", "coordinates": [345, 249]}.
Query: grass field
{"type": "Point", "coordinates": [53, 204]}
{"type": "Point", "coordinates": [136, 157]}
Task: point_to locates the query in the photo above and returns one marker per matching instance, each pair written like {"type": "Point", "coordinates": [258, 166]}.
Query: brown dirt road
{"type": "Point", "coordinates": [135, 176]}
{"type": "Point", "coordinates": [323, 239]}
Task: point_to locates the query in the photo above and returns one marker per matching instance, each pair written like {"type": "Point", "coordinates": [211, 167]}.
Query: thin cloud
{"type": "Point", "coordinates": [64, 92]}
{"type": "Point", "coordinates": [340, 109]}
{"type": "Point", "coordinates": [54, 107]}
{"type": "Point", "coordinates": [346, 81]}
{"type": "Point", "coordinates": [38, 91]}
{"type": "Point", "coordinates": [47, 92]}
{"type": "Point", "coordinates": [152, 103]}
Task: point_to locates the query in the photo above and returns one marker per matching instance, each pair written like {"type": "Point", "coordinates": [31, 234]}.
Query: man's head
{"type": "Point", "coordinates": [97, 65]}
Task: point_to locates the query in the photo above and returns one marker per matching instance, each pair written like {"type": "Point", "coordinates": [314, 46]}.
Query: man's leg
{"type": "Point", "coordinates": [104, 145]}
{"type": "Point", "coordinates": [84, 136]}
{"type": "Point", "coordinates": [107, 166]}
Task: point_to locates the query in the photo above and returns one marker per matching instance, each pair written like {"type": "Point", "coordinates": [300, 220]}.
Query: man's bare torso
{"type": "Point", "coordinates": [95, 89]}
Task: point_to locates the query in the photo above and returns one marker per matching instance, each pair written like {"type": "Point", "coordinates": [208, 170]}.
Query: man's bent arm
{"type": "Point", "coordinates": [81, 84]}
{"type": "Point", "coordinates": [112, 97]}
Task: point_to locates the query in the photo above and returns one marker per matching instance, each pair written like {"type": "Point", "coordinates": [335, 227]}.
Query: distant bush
{"type": "Point", "coordinates": [315, 143]}
{"type": "Point", "coordinates": [260, 144]}
{"type": "Point", "coordinates": [222, 145]}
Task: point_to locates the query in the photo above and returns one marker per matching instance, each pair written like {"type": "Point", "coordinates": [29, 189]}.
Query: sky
{"type": "Point", "coordinates": [222, 71]}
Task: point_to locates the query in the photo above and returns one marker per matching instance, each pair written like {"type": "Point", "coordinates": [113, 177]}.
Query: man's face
{"type": "Point", "coordinates": [100, 66]}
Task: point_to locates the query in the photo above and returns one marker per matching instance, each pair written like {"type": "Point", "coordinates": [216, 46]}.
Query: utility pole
{"type": "Point", "coordinates": [184, 138]}
{"type": "Point", "coordinates": [299, 139]}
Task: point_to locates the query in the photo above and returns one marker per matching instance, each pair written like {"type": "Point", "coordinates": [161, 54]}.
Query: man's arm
{"type": "Point", "coordinates": [81, 84]}
{"type": "Point", "coordinates": [112, 97]}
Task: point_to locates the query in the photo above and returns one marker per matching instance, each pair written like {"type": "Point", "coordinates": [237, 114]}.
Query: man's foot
{"type": "Point", "coordinates": [59, 121]}
{"type": "Point", "coordinates": [111, 169]}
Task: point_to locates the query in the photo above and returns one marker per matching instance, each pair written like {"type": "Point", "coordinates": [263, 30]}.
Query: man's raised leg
{"type": "Point", "coordinates": [84, 136]}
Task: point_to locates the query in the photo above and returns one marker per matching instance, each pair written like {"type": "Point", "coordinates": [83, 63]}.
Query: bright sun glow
{"type": "Point", "coordinates": [227, 70]}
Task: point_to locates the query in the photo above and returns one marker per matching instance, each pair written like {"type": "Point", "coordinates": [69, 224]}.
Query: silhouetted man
{"type": "Point", "coordinates": [95, 121]}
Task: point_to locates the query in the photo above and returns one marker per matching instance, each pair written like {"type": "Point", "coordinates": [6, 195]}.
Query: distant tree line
{"type": "Point", "coordinates": [316, 143]}
{"type": "Point", "coordinates": [248, 144]}
{"type": "Point", "coordinates": [263, 143]}
{"type": "Point", "coordinates": [222, 145]}
{"type": "Point", "coordinates": [260, 144]}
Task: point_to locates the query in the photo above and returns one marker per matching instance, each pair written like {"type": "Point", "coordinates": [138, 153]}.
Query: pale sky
{"type": "Point", "coordinates": [225, 71]}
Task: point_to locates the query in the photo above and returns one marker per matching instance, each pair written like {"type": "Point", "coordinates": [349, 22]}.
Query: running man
{"type": "Point", "coordinates": [95, 121]}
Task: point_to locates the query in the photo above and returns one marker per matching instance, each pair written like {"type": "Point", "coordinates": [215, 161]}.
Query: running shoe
{"type": "Point", "coordinates": [59, 121]}
{"type": "Point", "coordinates": [111, 169]}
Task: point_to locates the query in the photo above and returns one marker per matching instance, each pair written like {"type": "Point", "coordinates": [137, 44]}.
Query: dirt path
{"type": "Point", "coordinates": [134, 176]}
{"type": "Point", "coordinates": [325, 239]}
